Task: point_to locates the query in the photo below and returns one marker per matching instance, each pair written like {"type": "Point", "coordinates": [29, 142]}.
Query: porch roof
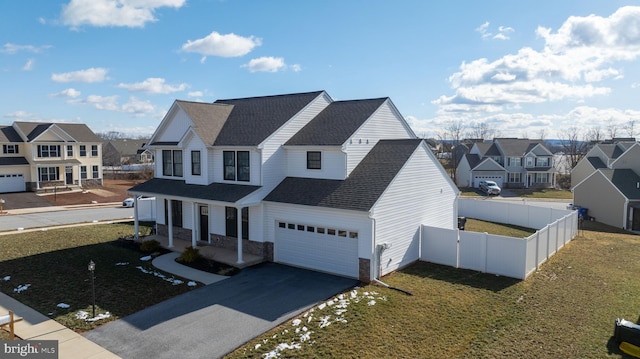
{"type": "Point", "coordinates": [222, 192]}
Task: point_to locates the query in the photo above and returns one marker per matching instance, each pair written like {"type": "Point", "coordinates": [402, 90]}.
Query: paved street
{"type": "Point", "coordinates": [62, 217]}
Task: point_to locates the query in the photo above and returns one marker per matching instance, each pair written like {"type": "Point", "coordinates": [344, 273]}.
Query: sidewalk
{"type": "Point", "coordinates": [36, 326]}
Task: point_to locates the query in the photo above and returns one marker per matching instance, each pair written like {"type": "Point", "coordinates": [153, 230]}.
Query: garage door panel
{"type": "Point", "coordinates": [12, 183]}
{"type": "Point", "coordinates": [327, 253]}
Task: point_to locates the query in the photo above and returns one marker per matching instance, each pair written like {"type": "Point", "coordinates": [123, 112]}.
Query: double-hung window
{"type": "Point", "coordinates": [48, 150]}
{"type": "Point", "coordinates": [196, 168]}
{"type": "Point", "coordinates": [83, 172]}
{"type": "Point", "coordinates": [69, 150]}
{"type": "Point", "coordinates": [542, 162]}
{"type": "Point", "coordinates": [172, 163]}
{"type": "Point", "coordinates": [314, 160]}
{"type": "Point", "coordinates": [236, 166]}
{"type": "Point", "coordinates": [7, 149]}
{"type": "Point", "coordinates": [83, 150]}
{"type": "Point", "coordinates": [94, 172]}
{"type": "Point", "coordinates": [46, 174]}
{"type": "Point", "coordinates": [94, 150]}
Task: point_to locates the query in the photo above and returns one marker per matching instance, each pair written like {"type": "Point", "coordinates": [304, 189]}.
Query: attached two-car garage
{"type": "Point", "coordinates": [12, 183]}
{"type": "Point", "coordinates": [322, 248]}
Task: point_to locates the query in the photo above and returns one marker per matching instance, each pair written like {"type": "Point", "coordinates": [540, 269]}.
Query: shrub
{"type": "Point", "coordinates": [563, 181]}
{"type": "Point", "coordinates": [150, 246]}
{"type": "Point", "coordinates": [189, 255]}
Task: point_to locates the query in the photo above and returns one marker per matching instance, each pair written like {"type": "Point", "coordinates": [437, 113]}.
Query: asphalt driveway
{"type": "Point", "coordinates": [211, 321]}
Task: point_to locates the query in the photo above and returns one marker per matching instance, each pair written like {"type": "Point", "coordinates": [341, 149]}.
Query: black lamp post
{"type": "Point", "coordinates": [92, 268]}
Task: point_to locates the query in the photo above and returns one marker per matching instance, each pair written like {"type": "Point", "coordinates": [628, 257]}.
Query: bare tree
{"type": "Point", "coordinates": [111, 135]}
{"type": "Point", "coordinates": [573, 146]}
{"type": "Point", "coordinates": [542, 134]}
{"type": "Point", "coordinates": [630, 128]}
{"type": "Point", "coordinates": [451, 136]}
{"type": "Point", "coordinates": [483, 131]}
{"type": "Point", "coordinates": [612, 128]}
{"type": "Point", "coordinates": [594, 135]}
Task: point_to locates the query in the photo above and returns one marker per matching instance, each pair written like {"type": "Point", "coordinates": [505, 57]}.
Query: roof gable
{"type": "Point", "coordinates": [68, 132]}
{"type": "Point", "coordinates": [9, 134]}
{"type": "Point", "coordinates": [360, 191]}
{"type": "Point", "coordinates": [488, 164]}
{"type": "Point", "coordinates": [625, 180]}
{"type": "Point", "coordinates": [208, 118]}
{"type": "Point", "coordinates": [517, 147]}
{"type": "Point", "coordinates": [336, 123]}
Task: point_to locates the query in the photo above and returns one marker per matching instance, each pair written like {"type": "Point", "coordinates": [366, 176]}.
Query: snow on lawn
{"type": "Point", "coordinates": [317, 318]}
{"type": "Point", "coordinates": [21, 288]}
{"type": "Point", "coordinates": [82, 315]}
{"type": "Point", "coordinates": [160, 275]}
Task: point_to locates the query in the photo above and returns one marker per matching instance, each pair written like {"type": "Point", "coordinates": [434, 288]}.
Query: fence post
{"type": "Point", "coordinates": [483, 250]}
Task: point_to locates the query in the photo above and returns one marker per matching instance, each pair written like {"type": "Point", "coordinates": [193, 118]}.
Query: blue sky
{"type": "Point", "coordinates": [522, 69]}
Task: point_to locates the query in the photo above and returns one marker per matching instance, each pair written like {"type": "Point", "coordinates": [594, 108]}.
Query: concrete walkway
{"type": "Point", "coordinates": [36, 326]}
{"type": "Point", "coordinates": [167, 263]}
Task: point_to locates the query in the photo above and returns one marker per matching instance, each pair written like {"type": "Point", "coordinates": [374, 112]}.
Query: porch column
{"type": "Point", "coordinates": [79, 177]}
{"type": "Point", "coordinates": [37, 177]}
{"type": "Point", "coordinates": [194, 228]}
{"type": "Point", "coordinates": [239, 219]}
{"type": "Point", "coordinates": [170, 224]}
{"type": "Point", "coordinates": [136, 224]}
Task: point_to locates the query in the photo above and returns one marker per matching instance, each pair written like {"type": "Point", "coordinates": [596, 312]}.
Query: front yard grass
{"type": "Point", "coordinates": [543, 193]}
{"type": "Point", "coordinates": [51, 269]}
{"type": "Point", "coordinates": [509, 230]}
{"type": "Point", "coordinates": [565, 310]}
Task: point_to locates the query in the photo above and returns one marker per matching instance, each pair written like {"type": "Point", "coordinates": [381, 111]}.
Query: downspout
{"type": "Point", "coordinates": [379, 248]}
{"type": "Point", "coordinates": [626, 214]}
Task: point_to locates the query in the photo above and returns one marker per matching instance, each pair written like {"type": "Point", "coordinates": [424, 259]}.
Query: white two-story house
{"type": "Point", "coordinates": [36, 156]}
{"type": "Point", "coordinates": [336, 186]}
{"type": "Point", "coordinates": [510, 162]}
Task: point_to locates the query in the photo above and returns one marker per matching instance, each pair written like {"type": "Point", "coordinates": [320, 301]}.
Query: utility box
{"type": "Point", "coordinates": [626, 331]}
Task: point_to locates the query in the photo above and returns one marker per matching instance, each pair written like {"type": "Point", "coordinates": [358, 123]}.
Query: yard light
{"type": "Point", "coordinates": [92, 268]}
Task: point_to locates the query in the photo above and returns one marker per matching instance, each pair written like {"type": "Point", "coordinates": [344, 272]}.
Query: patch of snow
{"type": "Point", "coordinates": [172, 280]}
{"type": "Point", "coordinates": [21, 288]}
{"type": "Point", "coordinates": [371, 302]}
{"type": "Point", "coordinates": [296, 322]}
{"type": "Point", "coordinates": [63, 305]}
{"type": "Point", "coordinates": [122, 263]}
{"type": "Point", "coordinates": [7, 278]}
{"type": "Point", "coordinates": [146, 258]}
{"type": "Point", "coordinates": [82, 315]}
{"type": "Point", "coordinates": [192, 284]}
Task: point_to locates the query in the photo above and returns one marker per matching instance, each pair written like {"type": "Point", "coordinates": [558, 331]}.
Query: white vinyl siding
{"type": "Point", "coordinates": [175, 129]}
{"type": "Point", "coordinates": [384, 123]}
{"type": "Point", "coordinates": [254, 166]}
{"type": "Point", "coordinates": [421, 194]}
{"type": "Point", "coordinates": [333, 163]}
{"type": "Point", "coordinates": [195, 144]}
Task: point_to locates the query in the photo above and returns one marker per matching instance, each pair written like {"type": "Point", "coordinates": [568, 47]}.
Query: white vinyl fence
{"type": "Point", "coordinates": [507, 256]}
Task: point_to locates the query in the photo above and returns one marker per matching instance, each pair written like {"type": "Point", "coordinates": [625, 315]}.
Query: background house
{"type": "Point", "coordinates": [36, 156]}
{"type": "Point", "coordinates": [608, 184]}
{"type": "Point", "coordinates": [120, 152]}
{"type": "Point", "coordinates": [337, 186]}
{"type": "Point", "coordinates": [510, 162]}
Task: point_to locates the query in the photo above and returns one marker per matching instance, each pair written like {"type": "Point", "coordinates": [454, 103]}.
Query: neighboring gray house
{"type": "Point", "coordinates": [336, 186]}
{"type": "Point", "coordinates": [510, 162]}
{"type": "Point", "coordinates": [125, 152]}
{"type": "Point", "coordinates": [611, 192]}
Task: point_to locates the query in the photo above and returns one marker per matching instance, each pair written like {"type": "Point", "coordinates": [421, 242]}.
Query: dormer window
{"type": "Point", "coordinates": [314, 160]}
{"type": "Point", "coordinates": [236, 166]}
{"type": "Point", "coordinates": [172, 163]}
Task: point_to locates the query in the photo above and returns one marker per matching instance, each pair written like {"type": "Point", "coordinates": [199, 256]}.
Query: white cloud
{"type": "Point", "coordinates": [154, 85]}
{"type": "Point", "coordinates": [501, 35]}
{"type": "Point", "coordinates": [138, 107]}
{"type": "Point", "coordinates": [482, 29]}
{"type": "Point", "coordinates": [10, 48]}
{"type": "Point", "coordinates": [21, 115]}
{"type": "Point", "coordinates": [109, 103]}
{"type": "Point", "coordinates": [266, 64]}
{"type": "Point", "coordinates": [89, 75]}
{"type": "Point", "coordinates": [70, 93]}
{"type": "Point", "coordinates": [28, 66]}
{"type": "Point", "coordinates": [195, 94]}
{"type": "Point", "coordinates": [229, 45]}
{"type": "Point", "coordinates": [572, 65]}
{"type": "Point", "coordinates": [295, 68]}
{"type": "Point", "coordinates": [129, 13]}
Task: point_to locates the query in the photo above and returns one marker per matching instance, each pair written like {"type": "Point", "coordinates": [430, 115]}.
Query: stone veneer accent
{"type": "Point", "coordinates": [265, 250]}
{"type": "Point", "coordinates": [364, 270]}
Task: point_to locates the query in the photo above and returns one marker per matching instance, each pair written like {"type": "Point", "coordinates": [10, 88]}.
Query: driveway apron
{"type": "Point", "coordinates": [213, 320]}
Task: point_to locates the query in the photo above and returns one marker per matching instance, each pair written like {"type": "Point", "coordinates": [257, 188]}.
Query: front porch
{"type": "Point", "coordinates": [227, 256]}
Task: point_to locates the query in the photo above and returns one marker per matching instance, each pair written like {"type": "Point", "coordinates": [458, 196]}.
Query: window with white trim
{"type": "Point", "coordinates": [314, 160]}
{"type": "Point", "coordinates": [83, 150]}
{"type": "Point", "coordinates": [94, 172]}
{"type": "Point", "coordinates": [83, 172]}
{"type": "Point", "coordinates": [94, 150]}
{"type": "Point", "coordinates": [47, 174]}
{"type": "Point", "coordinates": [515, 177]}
{"type": "Point", "coordinates": [172, 163]}
{"type": "Point", "coordinates": [9, 149]}
{"type": "Point", "coordinates": [236, 166]}
{"type": "Point", "coordinates": [47, 151]}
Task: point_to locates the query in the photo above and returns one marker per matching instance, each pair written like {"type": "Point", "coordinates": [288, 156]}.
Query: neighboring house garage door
{"type": "Point", "coordinates": [495, 178]}
{"type": "Point", "coordinates": [319, 248]}
{"type": "Point", "coordinates": [12, 183]}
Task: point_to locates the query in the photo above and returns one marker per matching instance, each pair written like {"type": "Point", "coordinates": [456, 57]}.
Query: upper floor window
{"type": "Point", "coordinates": [529, 161]}
{"type": "Point", "coordinates": [83, 151]}
{"type": "Point", "coordinates": [236, 166]}
{"type": "Point", "coordinates": [69, 150]}
{"type": "Point", "coordinates": [172, 163]}
{"type": "Point", "coordinates": [515, 161]}
{"type": "Point", "coordinates": [48, 150]}
{"type": "Point", "coordinates": [314, 160]}
{"type": "Point", "coordinates": [196, 168]}
{"type": "Point", "coordinates": [94, 150]}
{"type": "Point", "coordinates": [542, 161]}
{"type": "Point", "coordinates": [9, 149]}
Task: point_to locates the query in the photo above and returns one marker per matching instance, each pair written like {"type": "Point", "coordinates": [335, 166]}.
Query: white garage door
{"type": "Point", "coordinates": [497, 179]}
{"type": "Point", "coordinates": [323, 249]}
{"type": "Point", "coordinates": [12, 183]}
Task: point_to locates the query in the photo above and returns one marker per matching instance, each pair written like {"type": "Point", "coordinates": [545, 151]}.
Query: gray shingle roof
{"type": "Point", "coordinates": [610, 150]}
{"type": "Point", "coordinates": [483, 147]}
{"type": "Point", "coordinates": [214, 192]}
{"type": "Point", "coordinates": [596, 162]}
{"type": "Point", "coordinates": [336, 123]}
{"type": "Point", "coordinates": [79, 131]}
{"type": "Point", "coordinates": [13, 161]}
{"type": "Point", "coordinates": [517, 147]}
{"type": "Point", "coordinates": [126, 146]}
{"type": "Point", "coordinates": [254, 119]}
{"type": "Point", "coordinates": [625, 180]}
{"type": "Point", "coordinates": [473, 160]}
{"type": "Point", "coordinates": [360, 190]}
{"type": "Point", "coordinates": [9, 134]}
{"type": "Point", "coordinates": [208, 118]}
